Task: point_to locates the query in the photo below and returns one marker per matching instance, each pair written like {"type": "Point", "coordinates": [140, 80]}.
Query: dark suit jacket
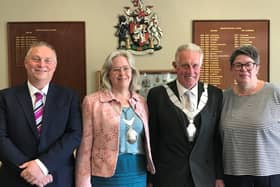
{"type": "Point", "coordinates": [178, 162]}
{"type": "Point", "coordinates": [20, 142]}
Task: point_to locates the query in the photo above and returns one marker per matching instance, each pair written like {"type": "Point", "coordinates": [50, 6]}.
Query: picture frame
{"type": "Point", "coordinates": [148, 79]}
{"type": "Point", "coordinates": [153, 78]}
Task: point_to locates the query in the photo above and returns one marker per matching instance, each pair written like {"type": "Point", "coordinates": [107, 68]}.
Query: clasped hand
{"type": "Point", "coordinates": [33, 174]}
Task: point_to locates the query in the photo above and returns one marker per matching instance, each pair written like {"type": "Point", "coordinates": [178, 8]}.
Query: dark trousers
{"type": "Point", "coordinates": [252, 181]}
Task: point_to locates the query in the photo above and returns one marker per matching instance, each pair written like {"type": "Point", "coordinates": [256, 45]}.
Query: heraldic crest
{"type": "Point", "coordinates": [138, 29]}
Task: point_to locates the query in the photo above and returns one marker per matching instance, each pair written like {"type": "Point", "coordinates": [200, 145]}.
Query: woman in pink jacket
{"type": "Point", "coordinates": [115, 148]}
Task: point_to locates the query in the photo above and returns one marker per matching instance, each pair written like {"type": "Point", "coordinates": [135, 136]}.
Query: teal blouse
{"type": "Point", "coordinates": [126, 147]}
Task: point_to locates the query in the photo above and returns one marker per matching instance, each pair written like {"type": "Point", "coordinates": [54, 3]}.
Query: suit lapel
{"type": "Point", "coordinates": [24, 98]}
{"type": "Point", "coordinates": [49, 108]}
{"type": "Point", "coordinates": [202, 112]}
{"type": "Point", "coordinates": [173, 86]}
{"type": "Point", "coordinates": [200, 90]}
{"type": "Point", "coordinates": [181, 115]}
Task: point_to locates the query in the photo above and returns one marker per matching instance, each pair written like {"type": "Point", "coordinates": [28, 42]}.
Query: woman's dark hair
{"type": "Point", "coordinates": [247, 50]}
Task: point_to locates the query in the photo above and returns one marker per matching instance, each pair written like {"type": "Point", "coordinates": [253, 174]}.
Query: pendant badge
{"type": "Point", "coordinates": [191, 130]}
{"type": "Point", "coordinates": [131, 134]}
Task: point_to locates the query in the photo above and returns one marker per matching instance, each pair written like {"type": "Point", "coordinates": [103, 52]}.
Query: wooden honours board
{"type": "Point", "coordinates": [68, 39]}
{"type": "Point", "coordinates": [218, 39]}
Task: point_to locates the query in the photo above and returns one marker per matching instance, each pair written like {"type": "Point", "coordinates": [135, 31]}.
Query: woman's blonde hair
{"type": "Point", "coordinates": [107, 66]}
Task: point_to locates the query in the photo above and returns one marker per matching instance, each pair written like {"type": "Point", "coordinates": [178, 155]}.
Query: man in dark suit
{"type": "Point", "coordinates": [185, 141]}
{"type": "Point", "coordinates": [39, 155]}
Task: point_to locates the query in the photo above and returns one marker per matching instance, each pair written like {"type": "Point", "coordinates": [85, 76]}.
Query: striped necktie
{"type": "Point", "coordinates": [38, 111]}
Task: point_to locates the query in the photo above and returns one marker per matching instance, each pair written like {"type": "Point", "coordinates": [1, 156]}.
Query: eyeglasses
{"type": "Point", "coordinates": [119, 69]}
{"type": "Point", "coordinates": [248, 66]}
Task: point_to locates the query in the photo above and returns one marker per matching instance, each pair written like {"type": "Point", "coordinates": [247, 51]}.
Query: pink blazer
{"type": "Point", "coordinates": [98, 152]}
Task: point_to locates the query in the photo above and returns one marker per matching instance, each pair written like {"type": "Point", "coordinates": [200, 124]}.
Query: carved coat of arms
{"type": "Point", "coordinates": [138, 29]}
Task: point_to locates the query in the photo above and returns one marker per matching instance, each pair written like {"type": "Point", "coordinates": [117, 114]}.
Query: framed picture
{"type": "Point", "coordinates": [152, 78]}
{"type": "Point", "coordinates": [219, 38]}
{"type": "Point", "coordinates": [148, 79]}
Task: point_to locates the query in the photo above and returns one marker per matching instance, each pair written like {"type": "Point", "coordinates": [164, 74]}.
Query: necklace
{"type": "Point", "coordinates": [191, 129]}
{"type": "Point", "coordinates": [131, 134]}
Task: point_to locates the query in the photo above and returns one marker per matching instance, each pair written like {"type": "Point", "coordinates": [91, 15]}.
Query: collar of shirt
{"type": "Point", "coordinates": [182, 90]}
{"type": "Point", "coordinates": [108, 96]}
{"type": "Point", "coordinates": [32, 90]}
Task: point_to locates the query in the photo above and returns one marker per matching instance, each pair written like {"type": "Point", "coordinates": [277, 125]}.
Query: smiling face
{"type": "Point", "coordinates": [120, 74]}
{"type": "Point", "coordinates": [244, 70]}
{"type": "Point", "coordinates": [40, 64]}
{"type": "Point", "coordinates": [187, 66]}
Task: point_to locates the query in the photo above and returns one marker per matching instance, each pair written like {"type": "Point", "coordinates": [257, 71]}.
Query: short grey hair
{"type": "Point", "coordinates": [107, 66]}
{"type": "Point", "coordinates": [39, 44]}
{"type": "Point", "coordinates": [189, 47]}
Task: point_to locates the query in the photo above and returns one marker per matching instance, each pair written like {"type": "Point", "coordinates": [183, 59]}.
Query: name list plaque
{"type": "Point", "coordinates": [68, 39]}
{"type": "Point", "coordinates": [219, 38]}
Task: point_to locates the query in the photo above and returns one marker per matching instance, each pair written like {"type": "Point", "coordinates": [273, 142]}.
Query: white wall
{"type": "Point", "coordinates": [101, 15]}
